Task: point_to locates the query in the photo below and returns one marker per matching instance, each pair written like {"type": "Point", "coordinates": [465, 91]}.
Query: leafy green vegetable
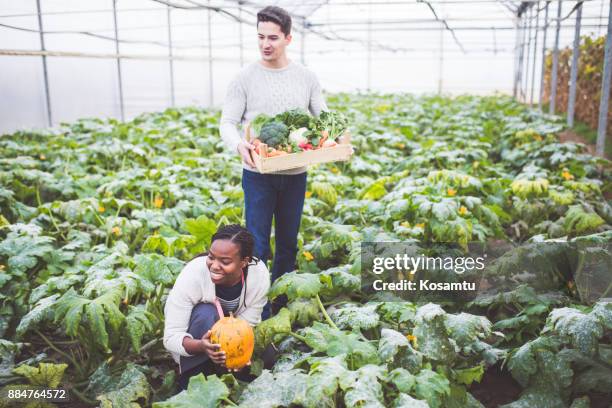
{"type": "Point", "coordinates": [333, 121]}
{"type": "Point", "coordinates": [258, 122]}
{"type": "Point", "coordinates": [293, 119]}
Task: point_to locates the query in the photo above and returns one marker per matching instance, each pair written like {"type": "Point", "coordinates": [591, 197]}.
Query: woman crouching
{"type": "Point", "coordinates": [226, 279]}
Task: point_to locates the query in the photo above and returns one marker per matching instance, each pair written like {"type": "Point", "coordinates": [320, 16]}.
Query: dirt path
{"type": "Point", "coordinates": [570, 136]}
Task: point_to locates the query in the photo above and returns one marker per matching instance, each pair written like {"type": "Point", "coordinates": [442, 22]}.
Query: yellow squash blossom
{"type": "Point", "coordinates": [567, 175]}
{"type": "Point", "coordinates": [101, 208]}
{"type": "Point", "coordinates": [308, 194]}
{"type": "Point", "coordinates": [158, 202]}
{"type": "Point", "coordinates": [462, 210]}
{"type": "Point", "coordinates": [420, 225]}
{"type": "Point", "coordinates": [451, 191]}
{"type": "Point", "coordinates": [308, 256]}
{"type": "Point", "coordinates": [116, 231]}
{"type": "Point", "coordinates": [412, 339]}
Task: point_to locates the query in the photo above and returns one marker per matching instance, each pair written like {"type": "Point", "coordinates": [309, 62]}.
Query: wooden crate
{"type": "Point", "coordinates": [341, 152]}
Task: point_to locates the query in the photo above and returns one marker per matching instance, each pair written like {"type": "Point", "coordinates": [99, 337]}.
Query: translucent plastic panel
{"type": "Point", "coordinates": [81, 87]}
{"type": "Point", "coordinates": [191, 83]}
{"type": "Point", "coordinates": [22, 100]}
{"type": "Point", "coordinates": [335, 48]}
{"type": "Point", "coordinates": [146, 86]}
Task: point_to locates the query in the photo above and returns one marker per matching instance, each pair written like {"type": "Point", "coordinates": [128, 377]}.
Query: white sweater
{"type": "Point", "coordinates": [257, 89]}
{"type": "Point", "coordinates": [193, 286]}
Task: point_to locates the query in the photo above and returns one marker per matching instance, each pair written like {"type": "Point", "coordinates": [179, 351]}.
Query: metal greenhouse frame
{"type": "Point", "coordinates": [533, 22]}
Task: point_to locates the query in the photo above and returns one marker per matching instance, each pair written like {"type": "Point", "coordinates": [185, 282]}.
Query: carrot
{"type": "Point", "coordinates": [275, 152]}
{"type": "Point", "coordinates": [325, 135]}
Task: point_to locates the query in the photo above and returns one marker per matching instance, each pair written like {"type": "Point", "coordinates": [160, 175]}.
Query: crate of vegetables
{"type": "Point", "coordinates": [296, 139]}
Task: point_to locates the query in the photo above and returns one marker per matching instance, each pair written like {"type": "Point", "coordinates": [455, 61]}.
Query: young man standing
{"type": "Point", "coordinates": [271, 85]}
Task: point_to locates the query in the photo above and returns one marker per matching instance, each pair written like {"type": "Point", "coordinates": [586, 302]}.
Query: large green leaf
{"type": "Point", "coordinates": [582, 330]}
{"type": "Point", "coordinates": [201, 392]}
{"type": "Point", "coordinates": [303, 311]}
{"type": "Point", "coordinates": [432, 387]}
{"type": "Point", "coordinates": [546, 374]}
{"type": "Point", "coordinates": [323, 338]}
{"type": "Point", "coordinates": [268, 329]}
{"type": "Point", "coordinates": [131, 390]}
{"type": "Point", "coordinates": [138, 322]}
{"type": "Point", "coordinates": [41, 312]}
{"type": "Point", "coordinates": [395, 350]}
{"type": "Point", "coordinates": [78, 311]}
{"type": "Point", "coordinates": [45, 375]}
{"type": "Point", "coordinates": [362, 388]}
{"type": "Point", "coordinates": [156, 269]}
{"type": "Point", "coordinates": [466, 330]}
{"type": "Point", "coordinates": [403, 380]}
{"type": "Point", "coordinates": [202, 228]}
{"type": "Point", "coordinates": [298, 285]}
{"type": "Point", "coordinates": [276, 390]}
{"type": "Point", "coordinates": [406, 401]}
{"type": "Point", "coordinates": [324, 381]}
{"type": "Point", "coordinates": [432, 334]}
{"type": "Point", "coordinates": [23, 252]}
{"type": "Point", "coordinates": [355, 317]}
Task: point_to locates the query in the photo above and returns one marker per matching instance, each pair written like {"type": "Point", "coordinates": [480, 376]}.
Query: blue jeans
{"type": "Point", "coordinates": [203, 317]}
{"type": "Point", "coordinates": [281, 197]}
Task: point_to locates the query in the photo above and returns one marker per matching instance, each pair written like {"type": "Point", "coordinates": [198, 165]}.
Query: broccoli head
{"type": "Point", "coordinates": [274, 133]}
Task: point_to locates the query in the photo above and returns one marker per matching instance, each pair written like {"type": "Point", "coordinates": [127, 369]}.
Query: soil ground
{"type": "Point", "coordinates": [571, 136]}
{"type": "Point", "coordinates": [496, 388]}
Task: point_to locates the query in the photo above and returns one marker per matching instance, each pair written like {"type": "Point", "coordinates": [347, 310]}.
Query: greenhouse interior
{"type": "Point", "coordinates": [340, 203]}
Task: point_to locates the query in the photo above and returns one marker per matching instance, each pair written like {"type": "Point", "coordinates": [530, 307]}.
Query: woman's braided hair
{"type": "Point", "coordinates": [242, 237]}
{"type": "Point", "coordinates": [238, 235]}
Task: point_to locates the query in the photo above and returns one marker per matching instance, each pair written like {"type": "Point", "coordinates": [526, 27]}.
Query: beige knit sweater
{"type": "Point", "coordinates": [257, 89]}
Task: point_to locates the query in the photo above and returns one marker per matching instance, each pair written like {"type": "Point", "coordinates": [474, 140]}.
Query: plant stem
{"type": "Point", "coordinates": [82, 383]}
{"type": "Point", "coordinates": [297, 336]}
{"type": "Point", "coordinates": [83, 397]}
{"type": "Point", "coordinates": [71, 359]}
{"type": "Point", "coordinates": [325, 315]}
{"type": "Point", "coordinates": [60, 342]}
{"type": "Point", "coordinates": [229, 401]}
{"type": "Point", "coordinates": [149, 345]}
{"type": "Point", "coordinates": [95, 213]}
{"type": "Point", "coordinates": [38, 200]}
{"type": "Point", "coordinates": [136, 240]}
{"type": "Point", "coordinates": [607, 290]}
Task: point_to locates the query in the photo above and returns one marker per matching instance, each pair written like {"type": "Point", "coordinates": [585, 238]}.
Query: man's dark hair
{"type": "Point", "coordinates": [276, 15]}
